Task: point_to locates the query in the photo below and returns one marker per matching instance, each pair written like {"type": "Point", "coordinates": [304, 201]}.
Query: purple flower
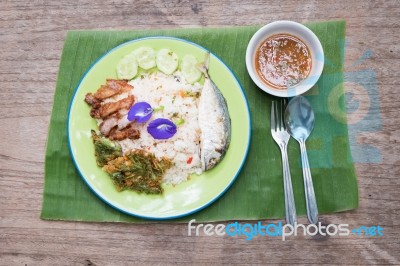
{"type": "Point", "coordinates": [140, 112]}
{"type": "Point", "coordinates": [161, 128]}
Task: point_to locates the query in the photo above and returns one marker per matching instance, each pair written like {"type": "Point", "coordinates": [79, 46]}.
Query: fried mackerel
{"type": "Point", "coordinates": [139, 171]}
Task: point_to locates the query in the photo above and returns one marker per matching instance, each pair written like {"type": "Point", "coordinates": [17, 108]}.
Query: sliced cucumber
{"type": "Point", "coordinates": [127, 67]}
{"type": "Point", "coordinates": [167, 61]}
{"type": "Point", "coordinates": [189, 69]}
{"type": "Point", "coordinates": [146, 57]}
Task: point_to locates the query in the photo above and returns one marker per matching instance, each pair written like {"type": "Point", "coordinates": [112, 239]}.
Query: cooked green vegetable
{"type": "Point", "coordinates": [159, 108]}
{"type": "Point", "coordinates": [179, 121]}
{"type": "Point", "coordinates": [105, 150]}
{"type": "Point", "coordinates": [195, 94]}
{"type": "Point", "coordinates": [139, 171]}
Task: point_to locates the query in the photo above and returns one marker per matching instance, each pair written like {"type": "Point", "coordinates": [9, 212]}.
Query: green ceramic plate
{"type": "Point", "coordinates": [187, 197]}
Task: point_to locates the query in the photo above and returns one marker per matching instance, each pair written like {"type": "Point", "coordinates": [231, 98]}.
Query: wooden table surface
{"type": "Point", "coordinates": [31, 39]}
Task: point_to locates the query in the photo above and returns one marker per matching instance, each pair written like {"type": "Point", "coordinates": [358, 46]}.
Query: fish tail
{"type": "Point", "coordinates": [203, 67]}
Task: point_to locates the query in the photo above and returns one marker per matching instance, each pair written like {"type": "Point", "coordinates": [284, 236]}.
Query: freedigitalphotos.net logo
{"type": "Point", "coordinates": [362, 109]}
{"type": "Point", "coordinates": [249, 231]}
{"type": "Point", "coordinates": [358, 87]}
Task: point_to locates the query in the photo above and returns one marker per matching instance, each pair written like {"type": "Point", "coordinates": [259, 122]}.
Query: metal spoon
{"type": "Point", "coordinates": [299, 119]}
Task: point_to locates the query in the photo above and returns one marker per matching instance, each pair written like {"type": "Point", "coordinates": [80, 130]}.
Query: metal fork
{"type": "Point", "coordinates": [281, 137]}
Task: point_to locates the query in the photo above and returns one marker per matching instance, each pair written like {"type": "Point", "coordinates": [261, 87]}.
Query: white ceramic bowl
{"type": "Point", "coordinates": [301, 32]}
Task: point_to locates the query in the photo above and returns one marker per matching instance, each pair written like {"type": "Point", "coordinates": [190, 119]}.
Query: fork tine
{"type": "Point", "coordinates": [278, 116]}
{"type": "Point", "coordinates": [285, 103]}
{"type": "Point", "coordinates": [273, 126]}
{"type": "Point", "coordinates": [282, 107]}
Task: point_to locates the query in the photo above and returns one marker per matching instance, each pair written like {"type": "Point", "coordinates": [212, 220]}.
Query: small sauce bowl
{"type": "Point", "coordinates": [302, 33]}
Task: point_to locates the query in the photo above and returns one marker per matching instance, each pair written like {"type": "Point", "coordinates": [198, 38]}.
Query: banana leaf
{"type": "Point", "coordinates": [258, 191]}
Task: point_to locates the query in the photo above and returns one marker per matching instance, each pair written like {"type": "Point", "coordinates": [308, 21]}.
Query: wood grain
{"type": "Point", "coordinates": [32, 35]}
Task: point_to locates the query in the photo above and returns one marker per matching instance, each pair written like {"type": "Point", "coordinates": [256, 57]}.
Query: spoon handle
{"type": "Point", "coordinates": [290, 208]}
{"type": "Point", "coordinates": [311, 203]}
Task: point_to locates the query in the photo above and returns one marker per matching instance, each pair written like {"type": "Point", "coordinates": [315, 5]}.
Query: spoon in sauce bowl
{"type": "Point", "coordinates": [299, 119]}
